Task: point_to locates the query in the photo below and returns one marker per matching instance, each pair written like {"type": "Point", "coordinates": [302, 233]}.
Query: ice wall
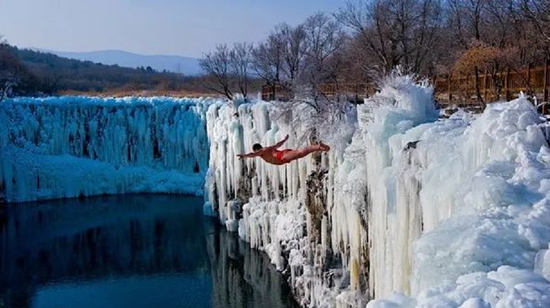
{"type": "Point", "coordinates": [77, 146]}
{"type": "Point", "coordinates": [281, 210]}
{"type": "Point", "coordinates": [414, 211]}
{"type": "Point", "coordinates": [456, 208]}
{"type": "Point", "coordinates": [407, 209]}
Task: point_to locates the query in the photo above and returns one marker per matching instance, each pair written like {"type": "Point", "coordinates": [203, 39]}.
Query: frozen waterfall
{"type": "Point", "coordinates": [414, 211]}
{"type": "Point", "coordinates": [76, 146]}
{"type": "Point", "coordinates": [407, 210]}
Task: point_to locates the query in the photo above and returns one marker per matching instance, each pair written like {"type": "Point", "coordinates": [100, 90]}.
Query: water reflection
{"type": "Point", "coordinates": [122, 251]}
{"type": "Point", "coordinates": [242, 277]}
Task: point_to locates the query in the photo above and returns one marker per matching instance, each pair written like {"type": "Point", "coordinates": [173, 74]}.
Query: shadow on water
{"type": "Point", "coordinates": [129, 251]}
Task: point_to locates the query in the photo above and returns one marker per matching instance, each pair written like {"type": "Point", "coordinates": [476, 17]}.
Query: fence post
{"type": "Point", "coordinates": [506, 85]}
{"type": "Point", "coordinates": [477, 83]}
{"type": "Point", "coordinates": [468, 96]}
{"type": "Point", "coordinates": [528, 85]}
{"type": "Point", "coordinates": [449, 88]}
{"type": "Point", "coordinates": [545, 83]}
{"type": "Point", "coordinates": [485, 98]}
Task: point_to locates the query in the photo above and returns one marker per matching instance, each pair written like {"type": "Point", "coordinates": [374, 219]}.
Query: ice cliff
{"type": "Point", "coordinates": [415, 211]}
{"type": "Point", "coordinates": [408, 209]}
{"type": "Point", "coordinates": [76, 146]}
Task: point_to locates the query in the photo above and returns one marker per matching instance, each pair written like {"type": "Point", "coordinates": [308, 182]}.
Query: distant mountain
{"type": "Point", "coordinates": [175, 64]}
{"type": "Point", "coordinates": [43, 73]}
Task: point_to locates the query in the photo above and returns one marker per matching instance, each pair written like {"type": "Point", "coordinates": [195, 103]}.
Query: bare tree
{"type": "Point", "coordinates": [424, 36]}
{"type": "Point", "coordinates": [538, 12]}
{"type": "Point", "coordinates": [228, 69]}
{"type": "Point", "coordinates": [217, 66]}
{"type": "Point", "coordinates": [240, 58]}
{"type": "Point", "coordinates": [396, 32]}
{"type": "Point", "coordinates": [268, 58]}
{"type": "Point", "coordinates": [295, 49]}
{"type": "Point", "coordinates": [280, 60]}
{"type": "Point", "coordinates": [365, 19]}
{"type": "Point", "coordinates": [324, 38]}
{"type": "Point", "coordinates": [467, 18]}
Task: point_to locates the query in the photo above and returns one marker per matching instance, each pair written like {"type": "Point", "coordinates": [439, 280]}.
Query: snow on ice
{"type": "Point", "coordinates": [461, 208]}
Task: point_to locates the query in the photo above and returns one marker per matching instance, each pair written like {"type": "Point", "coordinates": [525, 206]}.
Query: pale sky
{"type": "Point", "coordinates": [178, 27]}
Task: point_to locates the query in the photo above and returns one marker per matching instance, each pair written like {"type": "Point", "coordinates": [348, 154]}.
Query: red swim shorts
{"type": "Point", "coordinates": [279, 154]}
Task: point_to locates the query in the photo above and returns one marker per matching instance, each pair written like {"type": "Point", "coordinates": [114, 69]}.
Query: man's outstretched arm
{"type": "Point", "coordinates": [253, 154]}
{"type": "Point", "coordinates": [280, 143]}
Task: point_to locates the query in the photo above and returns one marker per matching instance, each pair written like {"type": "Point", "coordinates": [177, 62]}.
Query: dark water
{"type": "Point", "coordinates": [129, 251]}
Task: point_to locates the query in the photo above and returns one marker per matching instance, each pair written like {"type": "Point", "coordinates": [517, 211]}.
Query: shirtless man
{"type": "Point", "coordinates": [276, 157]}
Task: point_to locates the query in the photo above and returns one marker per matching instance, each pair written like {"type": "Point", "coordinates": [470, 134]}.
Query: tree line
{"type": "Point", "coordinates": [367, 38]}
{"type": "Point", "coordinates": [26, 72]}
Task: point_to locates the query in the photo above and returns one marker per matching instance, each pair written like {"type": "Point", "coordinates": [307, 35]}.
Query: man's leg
{"type": "Point", "coordinates": [303, 152]}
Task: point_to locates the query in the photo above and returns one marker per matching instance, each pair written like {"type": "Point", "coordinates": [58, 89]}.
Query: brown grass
{"type": "Point", "coordinates": [139, 93]}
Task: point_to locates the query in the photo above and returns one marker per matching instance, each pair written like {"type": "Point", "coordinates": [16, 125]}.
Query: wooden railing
{"type": "Point", "coordinates": [460, 90]}
{"type": "Point", "coordinates": [355, 92]}
{"type": "Point", "coordinates": [467, 90]}
{"type": "Point", "coordinates": [276, 92]}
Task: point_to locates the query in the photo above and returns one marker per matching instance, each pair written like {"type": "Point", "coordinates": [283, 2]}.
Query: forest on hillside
{"type": "Point", "coordinates": [25, 72]}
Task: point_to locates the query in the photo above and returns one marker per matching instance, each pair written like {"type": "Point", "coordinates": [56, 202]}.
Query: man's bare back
{"type": "Point", "coordinates": [273, 156]}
